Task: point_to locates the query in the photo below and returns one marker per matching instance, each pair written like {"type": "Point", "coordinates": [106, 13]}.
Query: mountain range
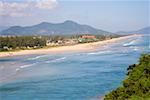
{"type": "Point", "coordinates": [145, 30]}
{"type": "Point", "coordinates": [66, 28]}
{"type": "Point", "coordinates": [3, 28]}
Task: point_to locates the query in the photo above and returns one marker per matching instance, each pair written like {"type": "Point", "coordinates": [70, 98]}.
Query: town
{"type": "Point", "coordinates": [8, 43]}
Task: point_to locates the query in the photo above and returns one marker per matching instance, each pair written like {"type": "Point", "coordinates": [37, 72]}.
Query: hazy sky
{"type": "Point", "coordinates": [109, 15]}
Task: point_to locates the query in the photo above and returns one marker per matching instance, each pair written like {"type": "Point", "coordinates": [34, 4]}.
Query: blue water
{"type": "Point", "coordinates": [69, 76]}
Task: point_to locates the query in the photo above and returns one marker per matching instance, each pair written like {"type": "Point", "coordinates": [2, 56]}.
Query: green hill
{"type": "Point", "coordinates": [137, 84]}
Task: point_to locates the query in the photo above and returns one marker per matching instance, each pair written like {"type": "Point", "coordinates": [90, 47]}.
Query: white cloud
{"type": "Point", "coordinates": [46, 4]}
{"type": "Point", "coordinates": [18, 9]}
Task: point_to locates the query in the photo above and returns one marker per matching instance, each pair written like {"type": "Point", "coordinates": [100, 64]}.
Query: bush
{"type": "Point", "coordinates": [137, 84]}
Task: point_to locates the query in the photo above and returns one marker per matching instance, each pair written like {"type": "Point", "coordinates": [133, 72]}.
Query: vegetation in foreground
{"type": "Point", "coordinates": [137, 84]}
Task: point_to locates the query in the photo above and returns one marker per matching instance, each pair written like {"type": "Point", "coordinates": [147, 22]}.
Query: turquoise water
{"type": "Point", "coordinates": [69, 76]}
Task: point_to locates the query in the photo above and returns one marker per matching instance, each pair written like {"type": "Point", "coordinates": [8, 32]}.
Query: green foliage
{"type": "Point", "coordinates": [24, 42]}
{"type": "Point", "coordinates": [137, 84]}
{"type": "Point", "coordinates": [20, 42]}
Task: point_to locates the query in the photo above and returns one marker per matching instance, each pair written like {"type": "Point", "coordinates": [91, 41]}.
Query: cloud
{"type": "Point", "coordinates": [18, 9]}
{"type": "Point", "coordinates": [46, 4]}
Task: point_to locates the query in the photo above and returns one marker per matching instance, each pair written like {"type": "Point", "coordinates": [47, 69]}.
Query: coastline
{"type": "Point", "coordinates": [73, 48]}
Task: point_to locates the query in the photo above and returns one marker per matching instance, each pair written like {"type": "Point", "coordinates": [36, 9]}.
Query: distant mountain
{"type": "Point", "coordinates": [45, 28]}
{"type": "Point", "coordinates": [3, 27]}
{"type": "Point", "coordinates": [145, 30]}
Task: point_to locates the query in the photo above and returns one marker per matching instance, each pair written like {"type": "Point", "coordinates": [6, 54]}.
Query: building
{"type": "Point", "coordinates": [88, 36]}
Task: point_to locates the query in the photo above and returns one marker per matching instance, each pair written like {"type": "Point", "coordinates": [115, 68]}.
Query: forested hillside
{"type": "Point", "coordinates": [137, 84]}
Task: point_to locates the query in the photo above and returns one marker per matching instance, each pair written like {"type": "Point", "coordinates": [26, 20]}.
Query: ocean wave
{"type": "Point", "coordinates": [56, 60]}
{"type": "Point", "coordinates": [134, 48]}
{"type": "Point", "coordinates": [130, 43]}
{"type": "Point", "coordinates": [133, 42]}
{"type": "Point", "coordinates": [100, 52]}
{"type": "Point", "coordinates": [37, 57]}
{"type": "Point", "coordinates": [25, 66]}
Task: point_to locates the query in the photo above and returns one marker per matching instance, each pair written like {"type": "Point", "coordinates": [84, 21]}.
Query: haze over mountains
{"type": "Point", "coordinates": [145, 30]}
{"type": "Point", "coordinates": [3, 28]}
{"type": "Point", "coordinates": [66, 28]}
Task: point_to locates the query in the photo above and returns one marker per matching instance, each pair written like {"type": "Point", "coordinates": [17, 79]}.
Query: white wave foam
{"type": "Point", "coordinates": [24, 66]}
{"type": "Point", "coordinates": [101, 52]}
{"type": "Point", "coordinates": [130, 43]}
{"type": "Point", "coordinates": [134, 48]}
{"type": "Point", "coordinates": [37, 57]}
{"type": "Point", "coordinates": [56, 60]}
{"type": "Point", "coordinates": [133, 42]}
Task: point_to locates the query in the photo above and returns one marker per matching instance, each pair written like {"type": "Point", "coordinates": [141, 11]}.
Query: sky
{"type": "Point", "coordinates": [109, 15]}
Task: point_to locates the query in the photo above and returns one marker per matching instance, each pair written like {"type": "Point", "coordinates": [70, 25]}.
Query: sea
{"type": "Point", "coordinates": [72, 75]}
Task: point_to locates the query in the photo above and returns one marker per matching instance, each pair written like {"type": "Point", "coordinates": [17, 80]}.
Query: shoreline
{"type": "Point", "coordinates": [62, 49]}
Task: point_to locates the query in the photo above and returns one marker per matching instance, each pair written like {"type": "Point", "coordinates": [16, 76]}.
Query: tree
{"type": "Point", "coordinates": [137, 84]}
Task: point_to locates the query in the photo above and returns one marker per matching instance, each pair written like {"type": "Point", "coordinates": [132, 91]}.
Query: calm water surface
{"type": "Point", "coordinates": [69, 76]}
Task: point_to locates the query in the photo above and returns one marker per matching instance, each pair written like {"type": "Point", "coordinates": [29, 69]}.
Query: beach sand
{"type": "Point", "coordinates": [74, 48]}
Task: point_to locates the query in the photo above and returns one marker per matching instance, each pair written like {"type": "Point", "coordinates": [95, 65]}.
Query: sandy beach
{"type": "Point", "coordinates": [74, 48]}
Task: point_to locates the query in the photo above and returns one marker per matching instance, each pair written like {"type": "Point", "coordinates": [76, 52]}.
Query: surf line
{"type": "Point", "coordinates": [25, 66]}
